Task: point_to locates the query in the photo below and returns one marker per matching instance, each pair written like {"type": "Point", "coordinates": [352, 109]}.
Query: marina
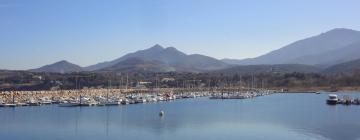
{"type": "Point", "coordinates": [115, 97]}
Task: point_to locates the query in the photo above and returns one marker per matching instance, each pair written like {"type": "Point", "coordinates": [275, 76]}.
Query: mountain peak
{"type": "Point", "coordinates": [171, 49]}
{"type": "Point", "coordinates": [165, 57]}
{"type": "Point", "coordinates": [157, 47]}
{"type": "Point", "coordinates": [62, 62]}
{"type": "Point", "coordinates": [62, 66]}
{"type": "Point", "coordinates": [341, 30]}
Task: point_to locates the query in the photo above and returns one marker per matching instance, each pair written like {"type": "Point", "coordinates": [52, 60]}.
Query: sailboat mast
{"type": "Point", "coordinates": [127, 80]}
{"type": "Point", "coordinates": [13, 98]}
{"type": "Point", "coordinates": [121, 82]}
{"type": "Point", "coordinates": [107, 93]}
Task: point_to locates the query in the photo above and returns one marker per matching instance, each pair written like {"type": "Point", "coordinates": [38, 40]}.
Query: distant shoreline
{"type": "Point", "coordinates": [317, 89]}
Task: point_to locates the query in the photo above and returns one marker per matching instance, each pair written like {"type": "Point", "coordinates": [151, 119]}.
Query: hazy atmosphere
{"type": "Point", "coordinates": [86, 32]}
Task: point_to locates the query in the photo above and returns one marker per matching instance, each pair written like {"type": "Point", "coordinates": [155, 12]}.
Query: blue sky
{"type": "Point", "coordinates": [38, 32]}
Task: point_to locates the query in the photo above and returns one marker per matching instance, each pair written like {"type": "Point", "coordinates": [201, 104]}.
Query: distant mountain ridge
{"type": "Point", "coordinates": [327, 48]}
{"type": "Point", "coordinates": [139, 65]}
{"type": "Point", "coordinates": [171, 57]}
{"type": "Point", "coordinates": [154, 59]}
{"type": "Point", "coordinates": [344, 68]}
{"type": "Point", "coordinates": [141, 54]}
{"type": "Point", "coordinates": [277, 68]}
{"type": "Point", "coordinates": [59, 67]}
{"type": "Point", "coordinates": [333, 57]}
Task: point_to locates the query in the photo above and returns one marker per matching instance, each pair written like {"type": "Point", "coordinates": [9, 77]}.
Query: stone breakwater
{"type": "Point", "coordinates": [24, 96]}
{"type": "Point", "coordinates": [102, 97]}
{"type": "Point", "coordinates": [92, 97]}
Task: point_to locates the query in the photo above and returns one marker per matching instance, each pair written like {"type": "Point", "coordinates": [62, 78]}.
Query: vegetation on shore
{"type": "Point", "coordinates": [24, 80]}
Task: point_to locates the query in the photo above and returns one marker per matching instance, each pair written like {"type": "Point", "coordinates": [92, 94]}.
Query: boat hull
{"type": "Point", "coordinates": [332, 102]}
{"type": "Point", "coordinates": [69, 104]}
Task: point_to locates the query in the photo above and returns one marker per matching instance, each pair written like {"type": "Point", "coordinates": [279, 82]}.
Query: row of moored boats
{"type": "Point", "coordinates": [120, 99]}
{"type": "Point", "coordinates": [346, 100]}
{"type": "Point", "coordinates": [241, 95]}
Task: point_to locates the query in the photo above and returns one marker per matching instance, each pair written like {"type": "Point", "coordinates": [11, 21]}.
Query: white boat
{"type": "Point", "coordinates": [9, 105]}
{"type": "Point", "coordinates": [151, 99]}
{"type": "Point", "coordinates": [159, 98]}
{"type": "Point", "coordinates": [125, 101]}
{"type": "Point", "coordinates": [88, 103]}
{"type": "Point", "coordinates": [112, 103]}
{"type": "Point", "coordinates": [333, 99]}
{"type": "Point", "coordinates": [85, 101]}
{"type": "Point", "coordinates": [68, 104]}
{"type": "Point", "coordinates": [140, 100]}
{"type": "Point", "coordinates": [22, 104]}
{"type": "Point", "coordinates": [46, 102]}
{"type": "Point", "coordinates": [2, 104]}
{"type": "Point", "coordinates": [32, 102]}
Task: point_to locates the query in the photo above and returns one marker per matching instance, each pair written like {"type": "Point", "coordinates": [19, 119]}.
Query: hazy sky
{"type": "Point", "coordinates": [38, 32]}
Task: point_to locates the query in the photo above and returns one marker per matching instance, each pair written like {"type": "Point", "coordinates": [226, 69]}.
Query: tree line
{"type": "Point", "coordinates": [23, 80]}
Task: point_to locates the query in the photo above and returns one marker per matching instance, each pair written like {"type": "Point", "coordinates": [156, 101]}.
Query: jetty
{"type": "Point", "coordinates": [115, 97]}
{"type": "Point", "coordinates": [95, 97]}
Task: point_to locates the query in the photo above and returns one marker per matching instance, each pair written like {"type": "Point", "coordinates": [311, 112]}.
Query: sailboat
{"type": "Point", "coordinates": [13, 104]}
{"type": "Point", "coordinates": [32, 102]}
{"type": "Point", "coordinates": [111, 102]}
{"type": "Point", "coordinates": [71, 103]}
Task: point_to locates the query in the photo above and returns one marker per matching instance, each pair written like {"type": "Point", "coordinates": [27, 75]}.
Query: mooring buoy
{"type": "Point", "coordinates": [162, 113]}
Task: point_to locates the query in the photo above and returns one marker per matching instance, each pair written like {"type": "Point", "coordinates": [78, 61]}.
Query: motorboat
{"type": "Point", "coordinates": [9, 105]}
{"type": "Point", "coordinates": [22, 104]}
{"type": "Point", "coordinates": [45, 101]}
{"type": "Point", "coordinates": [88, 103]}
{"type": "Point", "coordinates": [32, 102]}
{"type": "Point", "coordinates": [112, 103]}
{"type": "Point", "coordinates": [140, 100]}
{"type": "Point", "coordinates": [333, 99]}
{"type": "Point", "coordinates": [125, 101]}
{"type": "Point", "coordinates": [69, 104]}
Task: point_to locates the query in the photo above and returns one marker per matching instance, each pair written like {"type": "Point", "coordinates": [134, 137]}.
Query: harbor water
{"type": "Point", "coordinates": [275, 117]}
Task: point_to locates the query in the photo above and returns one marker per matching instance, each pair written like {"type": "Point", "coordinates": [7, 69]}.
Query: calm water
{"type": "Point", "coordinates": [275, 117]}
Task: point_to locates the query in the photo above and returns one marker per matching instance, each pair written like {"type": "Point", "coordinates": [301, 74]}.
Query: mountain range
{"type": "Point", "coordinates": [138, 65]}
{"type": "Point", "coordinates": [276, 68]}
{"type": "Point", "coordinates": [170, 59]}
{"type": "Point", "coordinates": [154, 59]}
{"type": "Point", "coordinates": [329, 48]}
{"type": "Point", "coordinates": [330, 52]}
{"type": "Point", "coordinates": [347, 67]}
{"type": "Point", "coordinates": [59, 67]}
